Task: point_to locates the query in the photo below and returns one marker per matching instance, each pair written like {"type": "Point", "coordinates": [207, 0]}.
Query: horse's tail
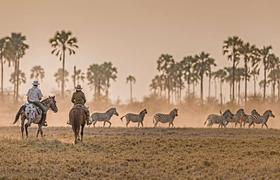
{"type": "Point", "coordinates": [18, 113]}
{"type": "Point", "coordinates": [206, 121]}
{"type": "Point", "coordinates": [76, 122]}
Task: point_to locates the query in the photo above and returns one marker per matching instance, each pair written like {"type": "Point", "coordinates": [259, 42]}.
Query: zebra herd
{"type": "Point", "coordinates": [135, 118]}
{"type": "Point", "coordinates": [240, 117]}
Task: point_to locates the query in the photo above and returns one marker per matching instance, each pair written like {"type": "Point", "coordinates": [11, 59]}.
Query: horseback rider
{"type": "Point", "coordinates": [34, 95]}
{"type": "Point", "coordinates": [78, 98]}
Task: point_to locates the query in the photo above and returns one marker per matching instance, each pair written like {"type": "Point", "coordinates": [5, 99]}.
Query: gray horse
{"type": "Point", "coordinates": [33, 115]}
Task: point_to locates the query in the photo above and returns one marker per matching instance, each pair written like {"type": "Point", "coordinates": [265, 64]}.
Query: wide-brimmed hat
{"type": "Point", "coordinates": [35, 83]}
{"type": "Point", "coordinates": [78, 87]}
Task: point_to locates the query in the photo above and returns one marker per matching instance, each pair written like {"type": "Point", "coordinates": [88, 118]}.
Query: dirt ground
{"type": "Point", "coordinates": [148, 153]}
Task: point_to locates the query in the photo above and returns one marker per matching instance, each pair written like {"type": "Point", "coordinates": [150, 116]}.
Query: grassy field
{"type": "Point", "coordinates": [131, 153]}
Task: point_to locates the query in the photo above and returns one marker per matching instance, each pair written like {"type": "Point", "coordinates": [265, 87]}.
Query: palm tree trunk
{"type": "Point", "coordinates": [255, 86]}
{"type": "Point", "coordinates": [130, 83]}
{"type": "Point", "coordinates": [2, 76]}
{"type": "Point", "coordinates": [17, 80]}
{"type": "Point", "coordinates": [209, 85]}
{"type": "Point", "coordinates": [278, 84]}
{"type": "Point", "coordinates": [221, 92]}
{"type": "Point", "coordinates": [75, 75]}
{"type": "Point", "coordinates": [233, 79]}
{"type": "Point", "coordinates": [201, 88]}
{"type": "Point", "coordinates": [264, 84]}
{"type": "Point", "coordinates": [63, 72]}
{"type": "Point", "coordinates": [238, 92]}
{"type": "Point", "coordinates": [215, 89]}
{"type": "Point", "coordinates": [246, 77]}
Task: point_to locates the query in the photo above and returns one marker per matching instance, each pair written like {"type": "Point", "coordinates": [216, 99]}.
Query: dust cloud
{"type": "Point", "coordinates": [189, 115]}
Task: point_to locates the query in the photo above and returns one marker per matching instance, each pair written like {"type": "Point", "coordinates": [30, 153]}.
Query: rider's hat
{"type": "Point", "coordinates": [78, 87]}
{"type": "Point", "coordinates": [35, 83]}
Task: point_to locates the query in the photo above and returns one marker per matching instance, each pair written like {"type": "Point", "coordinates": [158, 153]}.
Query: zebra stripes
{"type": "Point", "coordinates": [139, 118]}
{"type": "Point", "coordinates": [165, 118]}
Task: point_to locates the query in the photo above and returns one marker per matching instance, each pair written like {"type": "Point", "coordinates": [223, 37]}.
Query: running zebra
{"type": "Point", "coordinates": [261, 119]}
{"type": "Point", "coordinates": [222, 120]}
{"type": "Point", "coordinates": [105, 117]}
{"type": "Point", "coordinates": [250, 118]}
{"type": "Point", "coordinates": [165, 118]}
{"type": "Point", "coordinates": [239, 117]}
{"type": "Point", "coordinates": [139, 118]}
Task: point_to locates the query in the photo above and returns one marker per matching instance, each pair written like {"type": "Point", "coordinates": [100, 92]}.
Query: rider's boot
{"type": "Point", "coordinates": [44, 122]}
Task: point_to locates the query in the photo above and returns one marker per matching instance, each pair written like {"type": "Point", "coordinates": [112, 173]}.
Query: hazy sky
{"type": "Point", "coordinates": [133, 33]}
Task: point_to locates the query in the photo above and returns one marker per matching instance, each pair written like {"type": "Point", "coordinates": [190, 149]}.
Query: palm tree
{"type": "Point", "coordinates": [203, 64]}
{"type": "Point", "coordinates": [78, 76]}
{"type": "Point", "coordinates": [21, 79]}
{"type": "Point", "coordinates": [210, 62]}
{"type": "Point", "coordinates": [3, 55]}
{"type": "Point", "coordinates": [109, 73]}
{"type": "Point", "coordinates": [249, 53]}
{"type": "Point", "coordinates": [239, 76]}
{"type": "Point", "coordinates": [221, 74]}
{"type": "Point", "coordinates": [187, 65]}
{"type": "Point", "coordinates": [37, 72]}
{"type": "Point", "coordinates": [60, 76]}
{"type": "Point", "coordinates": [16, 48]}
{"type": "Point", "coordinates": [265, 51]}
{"type": "Point", "coordinates": [61, 43]}
{"type": "Point", "coordinates": [165, 65]}
{"type": "Point", "coordinates": [131, 80]}
{"type": "Point", "coordinates": [228, 79]}
{"type": "Point", "coordinates": [231, 46]}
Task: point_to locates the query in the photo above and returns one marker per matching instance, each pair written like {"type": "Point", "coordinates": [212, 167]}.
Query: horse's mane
{"type": "Point", "coordinates": [110, 109]}
{"type": "Point", "coordinates": [227, 111]}
{"type": "Point", "coordinates": [45, 100]}
{"type": "Point", "coordinates": [267, 111]}
{"type": "Point", "coordinates": [144, 110]}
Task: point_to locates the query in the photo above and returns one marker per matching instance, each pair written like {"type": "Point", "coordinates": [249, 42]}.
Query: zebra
{"type": "Point", "coordinates": [261, 119]}
{"type": "Point", "coordinates": [105, 117]}
{"type": "Point", "coordinates": [165, 118]}
{"type": "Point", "coordinates": [239, 117]}
{"type": "Point", "coordinates": [135, 117]}
{"type": "Point", "coordinates": [222, 120]}
{"type": "Point", "coordinates": [250, 118]}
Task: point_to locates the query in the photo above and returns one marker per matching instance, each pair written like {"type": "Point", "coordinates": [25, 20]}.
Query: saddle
{"type": "Point", "coordinates": [32, 112]}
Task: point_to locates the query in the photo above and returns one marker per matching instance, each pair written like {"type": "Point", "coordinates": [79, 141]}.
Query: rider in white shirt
{"type": "Point", "coordinates": [34, 95]}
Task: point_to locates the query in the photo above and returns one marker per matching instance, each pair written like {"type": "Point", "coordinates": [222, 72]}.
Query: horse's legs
{"type": "Point", "coordinates": [41, 131]}
{"type": "Point", "coordinates": [142, 123]}
{"type": "Point", "coordinates": [38, 130]}
{"type": "Point", "coordinates": [156, 124]}
{"type": "Point", "coordinates": [93, 123]}
{"type": "Point", "coordinates": [82, 132]}
{"type": "Point", "coordinates": [109, 124]}
{"type": "Point", "coordinates": [104, 123]}
{"type": "Point", "coordinates": [127, 122]}
{"type": "Point", "coordinates": [22, 127]}
{"type": "Point", "coordinates": [138, 124]}
{"type": "Point", "coordinates": [266, 125]}
{"type": "Point", "coordinates": [26, 129]}
{"type": "Point", "coordinates": [172, 124]}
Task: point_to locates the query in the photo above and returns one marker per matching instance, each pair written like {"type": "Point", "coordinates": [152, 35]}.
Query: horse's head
{"type": "Point", "coordinates": [268, 113]}
{"type": "Point", "coordinates": [144, 111]}
{"type": "Point", "coordinates": [228, 114]}
{"type": "Point", "coordinates": [114, 111]}
{"type": "Point", "coordinates": [254, 112]}
{"type": "Point", "coordinates": [51, 103]}
{"type": "Point", "coordinates": [174, 111]}
{"type": "Point", "coordinates": [240, 112]}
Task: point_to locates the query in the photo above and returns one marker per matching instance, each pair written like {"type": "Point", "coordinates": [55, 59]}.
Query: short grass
{"type": "Point", "coordinates": [148, 153]}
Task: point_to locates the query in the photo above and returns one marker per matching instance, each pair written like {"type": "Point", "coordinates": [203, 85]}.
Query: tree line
{"type": "Point", "coordinates": [246, 58]}
{"type": "Point", "coordinates": [173, 78]}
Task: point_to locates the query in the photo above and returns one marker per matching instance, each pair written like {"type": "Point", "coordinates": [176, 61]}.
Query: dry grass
{"type": "Point", "coordinates": [130, 153]}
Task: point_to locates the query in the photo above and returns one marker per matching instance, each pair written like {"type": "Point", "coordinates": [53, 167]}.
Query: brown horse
{"type": "Point", "coordinates": [78, 118]}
